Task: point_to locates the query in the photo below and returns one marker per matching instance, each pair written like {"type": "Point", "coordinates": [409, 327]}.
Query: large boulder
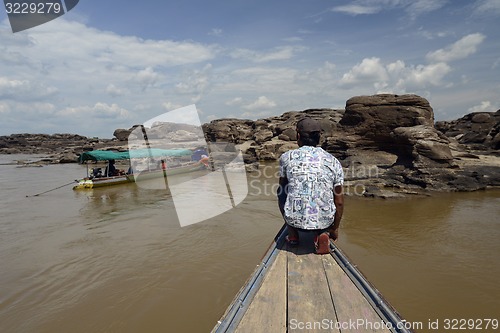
{"type": "Point", "coordinates": [121, 134]}
{"type": "Point", "coordinates": [229, 130]}
{"type": "Point", "coordinates": [425, 146]}
{"type": "Point", "coordinates": [401, 125]}
{"type": "Point", "coordinates": [375, 117]}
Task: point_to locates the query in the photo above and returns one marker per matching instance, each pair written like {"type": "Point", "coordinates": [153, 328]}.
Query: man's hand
{"type": "Point", "coordinates": [334, 234]}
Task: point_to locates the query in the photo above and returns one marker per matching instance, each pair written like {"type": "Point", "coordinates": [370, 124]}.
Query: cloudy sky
{"type": "Point", "coordinates": [112, 64]}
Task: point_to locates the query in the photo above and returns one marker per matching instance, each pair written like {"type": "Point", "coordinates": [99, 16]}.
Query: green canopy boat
{"type": "Point", "coordinates": [107, 155]}
{"type": "Point", "coordinates": [96, 178]}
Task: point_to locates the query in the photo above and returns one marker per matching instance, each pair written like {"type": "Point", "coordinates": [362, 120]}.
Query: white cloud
{"type": "Point", "coordinates": [488, 7]}
{"type": "Point", "coordinates": [99, 110]}
{"type": "Point", "coordinates": [396, 68]}
{"type": "Point", "coordinates": [40, 109]}
{"type": "Point", "coordinates": [257, 79]}
{"type": "Point", "coordinates": [354, 9]}
{"type": "Point", "coordinates": [30, 110]}
{"type": "Point", "coordinates": [278, 53]}
{"type": "Point", "coordinates": [83, 70]}
{"type": "Point", "coordinates": [428, 34]}
{"type": "Point", "coordinates": [485, 106]}
{"type": "Point", "coordinates": [395, 77]}
{"type": "Point", "coordinates": [78, 55]}
{"type": "Point", "coordinates": [114, 91]}
{"type": "Point", "coordinates": [215, 32]}
{"type": "Point", "coordinates": [195, 83]}
{"type": "Point", "coordinates": [255, 115]}
{"type": "Point", "coordinates": [369, 70]}
{"type": "Point", "coordinates": [234, 101]}
{"type": "Point", "coordinates": [328, 66]}
{"type": "Point", "coordinates": [421, 76]}
{"type": "Point", "coordinates": [112, 49]}
{"type": "Point", "coordinates": [147, 77]}
{"type": "Point", "coordinates": [413, 8]}
{"type": "Point", "coordinates": [169, 106]}
{"type": "Point", "coordinates": [403, 77]}
{"type": "Point", "coordinates": [261, 103]}
{"type": "Point", "coordinates": [420, 7]}
{"type": "Point", "coordinates": [293, 39]}
{"type": "Point", "coordinates": [321, 77]}
{"type": "Point", "coordinates": [458, 50]}
{"type": "Point", "coordinates": [4, 108]}
{"type": "Point", "coordinates": [24, 90]}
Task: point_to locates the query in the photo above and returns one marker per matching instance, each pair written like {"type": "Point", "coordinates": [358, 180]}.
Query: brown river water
{"type": "Point", "coordinates": [116, 259]}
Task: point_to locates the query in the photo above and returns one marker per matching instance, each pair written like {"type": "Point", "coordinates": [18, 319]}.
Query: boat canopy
{"type": "Point", "coordinates": [106, 155]}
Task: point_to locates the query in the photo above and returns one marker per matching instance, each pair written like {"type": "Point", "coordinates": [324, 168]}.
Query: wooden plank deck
{"type": "Point", "coordinates": [295, 290]}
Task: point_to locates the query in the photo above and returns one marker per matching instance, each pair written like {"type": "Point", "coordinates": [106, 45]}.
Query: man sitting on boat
{"type": "Point", "coordinates": [310, 193]}
{"type": "Point", "coordinates": [111, 170]}
{"type": "Point", "coordinates": [96, 173]}
{"type": "Point", "coordinates": [200, 155]}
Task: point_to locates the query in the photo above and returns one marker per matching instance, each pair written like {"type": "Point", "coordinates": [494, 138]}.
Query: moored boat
{"type": "Point", "coordinates": [97, 178]}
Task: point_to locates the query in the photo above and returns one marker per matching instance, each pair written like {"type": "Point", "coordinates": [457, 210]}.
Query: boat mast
{"type": "Point", "coordinates": [145, 135]}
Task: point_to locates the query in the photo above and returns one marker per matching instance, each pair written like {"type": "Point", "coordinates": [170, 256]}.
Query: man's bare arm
{"type": "Point", "coordinates": [282, 194]}
{"type": "Point", "coordinates": [338, 199]}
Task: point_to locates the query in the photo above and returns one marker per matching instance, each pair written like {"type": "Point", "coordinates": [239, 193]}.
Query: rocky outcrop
{"type": "Point", "coordinates": [267, 139]}
{"type": "Point", "coordinates": [229, 130]}
{"type": "Point", "coordinates": [424, 146]}
{"type": "Point", "coordinates": [66, 148]}
{"type": "Point", "coordinates": [122, 134]}
{"type": "Point", "coordinates": [400, 125]}
{"type": "Point", "coordinates": [161, 130]}
{"type": "Point", "coordinates": [375, 117]}
{"type": "Point", "coordinates": [387, 144]}
{"type": "Point", "coordinates": [60, 148]}
{"type": "Point", "coordinates": [384, 127]}
{"type": "Point", "coordinates": [43, 143]}
{"type": "Point", "coordinates": [478, 130]}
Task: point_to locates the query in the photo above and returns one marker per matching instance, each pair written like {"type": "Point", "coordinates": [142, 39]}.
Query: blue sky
{"type": "Point", "coordinates": [112, 64]}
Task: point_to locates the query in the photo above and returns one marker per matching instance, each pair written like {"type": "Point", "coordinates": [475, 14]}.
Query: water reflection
{"type": "Point", "coordinates": [104, 203]}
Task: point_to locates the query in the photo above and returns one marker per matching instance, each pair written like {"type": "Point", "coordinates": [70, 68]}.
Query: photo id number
{"type": "Point", "coordinates": [33, 8]}
{"type": "Point", "coordinates": [470, 324]}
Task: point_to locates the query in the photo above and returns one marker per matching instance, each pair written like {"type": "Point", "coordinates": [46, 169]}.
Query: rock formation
{"type": "Point", "coordinates": [387, 144]}
{"type": "Point", "coordinates": [383, 127]}
{"type": "Point", "coordinates": [400, 125]}
{"type": "Point", "coordinates": [64, 148]}
{"type": "Point", "coordinates": [478, 130]}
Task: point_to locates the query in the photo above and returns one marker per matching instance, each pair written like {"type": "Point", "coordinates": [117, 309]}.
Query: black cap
{"type": "Point", "coordinates": [308, 125]}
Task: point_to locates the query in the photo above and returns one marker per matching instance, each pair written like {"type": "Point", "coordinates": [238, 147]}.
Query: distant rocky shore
{"type": "Point", "coordinates": [389, 145]}
{"type": "Point", "coordinates": [58, 148]}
